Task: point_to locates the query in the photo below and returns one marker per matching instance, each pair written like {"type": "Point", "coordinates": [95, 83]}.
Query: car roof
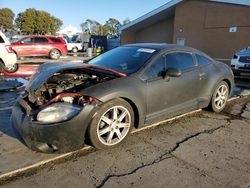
{"type": "Point", "coordinates": [166, 46]}
{"type": "Point", "coordinates": [161, 46]}
{"type": "Point", "coordinates": [46, 36]}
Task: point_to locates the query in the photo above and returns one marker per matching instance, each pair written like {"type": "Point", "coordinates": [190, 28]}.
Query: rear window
{"type": "Point", "coordinates": [55, 40]}
{"type": "Point", "coordinates": [202, 60]}
{"type": "Point", "coordinates": [1, 40]}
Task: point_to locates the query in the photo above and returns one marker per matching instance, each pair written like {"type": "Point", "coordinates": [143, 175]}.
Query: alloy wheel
{"type": "Point", "coordinates": [11, 67]}
{"type": "Point", "coordinates": [221, 97]}
{"type": "Point", "coordinates": [114, 125]}
{"type": "Point", "coordinates": [54, 54]}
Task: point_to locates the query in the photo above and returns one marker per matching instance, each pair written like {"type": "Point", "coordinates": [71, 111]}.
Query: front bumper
{"type": "Point", "coordinates": [61, 137]}
{"type": "Point", "coordinates": [237, 65]}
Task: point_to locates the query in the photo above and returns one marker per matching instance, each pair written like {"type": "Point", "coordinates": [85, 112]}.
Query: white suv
{"type": "Point", "coordinates": [8, 59]}
{"type": "Point", "coordinates": [240, 62]}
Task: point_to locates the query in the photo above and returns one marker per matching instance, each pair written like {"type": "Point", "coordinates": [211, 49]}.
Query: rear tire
{"type": "Point", "coordinates": [11, 68]}
{"type": "Point", "coordinates": [54, 54]}
{"type": "Point", "coordinates": [220, 97]}
{"type": "Point", "coordinates": [111, 124]}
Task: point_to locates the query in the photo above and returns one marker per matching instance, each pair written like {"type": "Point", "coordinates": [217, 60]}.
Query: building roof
{"type": "Point", "coordinates": [168, 10]}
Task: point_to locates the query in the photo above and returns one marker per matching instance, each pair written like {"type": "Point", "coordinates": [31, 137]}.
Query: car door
{"type": "Point", "coordinates": [41, 46]}
{"type": "Point", "coordinates": [176, 94]}
{"type": "Point", "coordinates": [24, 47]}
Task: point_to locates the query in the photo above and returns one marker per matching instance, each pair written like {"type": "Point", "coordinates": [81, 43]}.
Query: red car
{"type": "Point", "coordinates": [50, 46]}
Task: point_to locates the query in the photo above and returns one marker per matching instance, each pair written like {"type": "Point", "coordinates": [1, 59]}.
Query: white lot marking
{"type": "Point", "coordinates": [6, 108]}
{"type": "Point", "coordinates": [234, 98]}
{"type": "Point", "coordinates": [44, 162]}
{"type": "Point", "coordinates": [9, 101]}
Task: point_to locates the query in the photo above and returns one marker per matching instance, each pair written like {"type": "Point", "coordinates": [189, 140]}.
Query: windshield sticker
{"type": "Point", "coordinates": [146, 50]}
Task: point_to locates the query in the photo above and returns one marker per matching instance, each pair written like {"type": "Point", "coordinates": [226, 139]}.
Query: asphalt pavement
{"type": "Point", "coordinates": [200, 150]}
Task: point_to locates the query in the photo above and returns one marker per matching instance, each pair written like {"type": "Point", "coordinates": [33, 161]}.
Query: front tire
{"type": "Point", "coordinates": [220, 97]}
{"type": "Point", "coordinates": [54, 54]}
{"type": "Point", "coordinates": [74, 50]}
{"type": "Point", "coordinates": [111, 125]}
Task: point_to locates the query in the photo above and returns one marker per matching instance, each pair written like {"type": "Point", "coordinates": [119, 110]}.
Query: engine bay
{"type": "Point", "coordinates": [67, 81]}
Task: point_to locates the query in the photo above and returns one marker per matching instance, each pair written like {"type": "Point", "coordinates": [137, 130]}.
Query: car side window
{"type": "Point", "coordinates": [28, 40]}
{"type": "Point", "coordinates": [41, 40]}
{"type": "Point", "coordinates": [179, 60]}
{"type": "Point", "coordinates": [55, 40]}
{"type": "Point", "coordinates": [155, 69]}
{"type": "Point", "coordinates": [202, 60]}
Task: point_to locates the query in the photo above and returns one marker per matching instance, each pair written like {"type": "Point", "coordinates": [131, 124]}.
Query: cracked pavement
{"type": "Point", "coordinates": [201, 150]}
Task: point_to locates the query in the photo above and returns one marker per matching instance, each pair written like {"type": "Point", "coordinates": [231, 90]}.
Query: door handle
{"type": "Point", "coordinates": [202, 75]}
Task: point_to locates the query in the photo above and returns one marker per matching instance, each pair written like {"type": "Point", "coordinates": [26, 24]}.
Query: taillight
{"type": "Point", "coordinates": [9, 48]}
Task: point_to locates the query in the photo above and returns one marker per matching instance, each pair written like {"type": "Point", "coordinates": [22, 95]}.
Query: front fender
{"type": "Point", "coordinates": [130, 88]}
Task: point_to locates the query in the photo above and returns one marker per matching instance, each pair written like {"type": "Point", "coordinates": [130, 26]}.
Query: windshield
{"type": "Point", "coordinates": [16, 39]}
{"type": "Point", "coordinates": [75, 38]}
{"type": "Point", "coordinates": [124, 59]}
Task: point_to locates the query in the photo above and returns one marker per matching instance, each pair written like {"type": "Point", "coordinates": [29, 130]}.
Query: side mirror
{"type": "Point", "coordinates": [22, 42]}
{"type": "Point", "coordinates": [171, 72]}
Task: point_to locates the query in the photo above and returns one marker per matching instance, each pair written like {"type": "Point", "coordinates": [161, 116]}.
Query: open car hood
{"type": "Point", "coordinates": [49, 69]}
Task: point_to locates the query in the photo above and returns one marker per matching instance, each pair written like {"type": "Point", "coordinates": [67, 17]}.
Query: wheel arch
{"type": "Point", "coordinates": [1, 62]}
{"type": "Point", "coordinates": [54, 48]}
{"type": "Point", "coordinates": [218, 82]}
{"type": "Point", "coordinates": [135, 110]}
{"type": "Point", "coordinates": [229, 84]}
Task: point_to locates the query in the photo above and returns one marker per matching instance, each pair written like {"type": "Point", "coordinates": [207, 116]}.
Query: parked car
{"type": "Point", "coordinates": [74, 47]}
{"type": "Point", "coordinates": [50, 46]}
{"type": "Point", "coordinates": [8, 59]}
{"type": "Point", "coordinates": [240, 62]}
{"type": "Point", "coordinates": [128, 87]}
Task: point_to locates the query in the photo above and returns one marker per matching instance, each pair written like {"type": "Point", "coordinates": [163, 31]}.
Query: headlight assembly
{"type": "Point", "coordinates": [57, 112]}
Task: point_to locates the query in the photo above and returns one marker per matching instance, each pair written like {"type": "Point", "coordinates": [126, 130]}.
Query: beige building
{"type": "Point", "coordinates": [219, 28]}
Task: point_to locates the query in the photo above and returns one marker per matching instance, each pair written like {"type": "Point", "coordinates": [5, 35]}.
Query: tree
{"type": "Point", "coordinates": [92, 27]}
{"type": "Point", "coordinates": [6, 19]}
{"type": "Point", "coordinates": [109, 29]}
{"type": "Point", "coordinates": [34, 21]}
{"type": "Point", "coordinates": [126, 21]}
{"type": "Point", "coordinates": [112, 28]}
{"type": "Point", "coordinates": [56, 24]}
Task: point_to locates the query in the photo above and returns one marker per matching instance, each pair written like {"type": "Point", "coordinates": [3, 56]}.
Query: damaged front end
{"type": "Point", "coordinates": [55, 113]}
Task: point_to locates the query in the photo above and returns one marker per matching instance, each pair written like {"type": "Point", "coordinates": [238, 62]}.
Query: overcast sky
{"type": "Point", "coordinates": [75, 12]}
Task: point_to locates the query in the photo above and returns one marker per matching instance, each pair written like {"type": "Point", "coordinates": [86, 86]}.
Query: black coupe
{"type": "Point", "coordinates": [68, 104]}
